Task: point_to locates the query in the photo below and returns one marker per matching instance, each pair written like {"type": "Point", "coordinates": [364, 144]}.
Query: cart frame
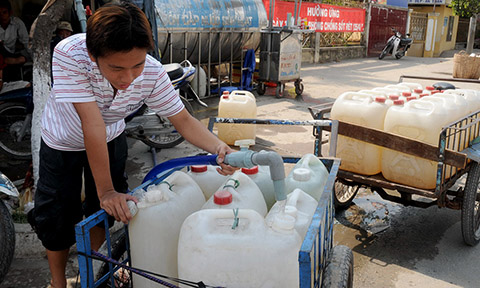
{"type": "Point", "coordinates": [316, 246]}
{"type": "Point", "coordinates": [461, 135]}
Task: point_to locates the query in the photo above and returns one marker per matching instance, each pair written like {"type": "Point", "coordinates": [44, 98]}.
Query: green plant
{"type": "Point", "coordinates": [465, 8]}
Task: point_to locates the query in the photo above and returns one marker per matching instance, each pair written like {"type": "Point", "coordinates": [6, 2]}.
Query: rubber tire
{"type": "Point", "coordinates": [470, 217]}
{"type": "Point", "coordinates": [341, 204]}
{"type": "Point", "coordinates": [171, 144]}
{"type": "Point", "coordinates": [119, 247]}
{"type": "Point", "coordinates": [384, 52]}
{"type": "Point", "coordinates": [8, 150]}
{"type": "Point", "coordinates": [278, 89]}
{"type": "Point", "coordinates": [339, 270]}
{"type": "Point", "coordinates": [261, 88]}
{"type": "Point", "coordinates": [298, 88]}
{"type": "Point", "coordinates": [7, 240]}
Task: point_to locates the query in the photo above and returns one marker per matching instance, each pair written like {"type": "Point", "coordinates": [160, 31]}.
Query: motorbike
{"type": "Point", "coordinates": [156, 131]}
{"type": "Point", "coordinates": [397, 45]}
{"type": "Point", "coordinates": [16, 108]}
{"type": "Point", "coordinates": [7, 229]}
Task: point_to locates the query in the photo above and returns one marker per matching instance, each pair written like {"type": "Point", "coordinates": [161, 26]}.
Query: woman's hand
{"type": "Point", "coordinates": [222, 150]}
{"type": "Point", "coordinates": [115, 204]}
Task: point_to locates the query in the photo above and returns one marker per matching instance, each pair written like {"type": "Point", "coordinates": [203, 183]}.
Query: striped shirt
{"type": "Point", "coordinates": [77, 79]}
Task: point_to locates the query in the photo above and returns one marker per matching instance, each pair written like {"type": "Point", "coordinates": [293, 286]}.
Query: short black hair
{"type": "Point", "coordinates": [6, 4]}
{"type": "Point", "coordinates": [118, 28]}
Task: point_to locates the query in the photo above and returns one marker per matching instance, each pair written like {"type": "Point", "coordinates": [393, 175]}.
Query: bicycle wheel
{"type": "Point", "coordinates": [170, 138]}
{"type": "Point", "coordinates": [15, 130]}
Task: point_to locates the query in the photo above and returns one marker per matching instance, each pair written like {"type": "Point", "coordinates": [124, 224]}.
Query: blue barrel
{"type": "Point", "coordinates": [186, 23]}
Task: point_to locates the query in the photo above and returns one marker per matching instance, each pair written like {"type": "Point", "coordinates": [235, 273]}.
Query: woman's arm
{"type": "Point", "coordinates": [94, 135]}
{"type": "Point", "coordinates": [197, 134]}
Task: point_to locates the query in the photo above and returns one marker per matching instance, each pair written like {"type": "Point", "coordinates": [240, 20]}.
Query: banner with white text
{"type": "Point", "coordinates": [320, 17]}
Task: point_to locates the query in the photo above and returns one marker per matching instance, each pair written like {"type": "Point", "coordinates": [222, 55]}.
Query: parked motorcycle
{"type": "Point", "coordinates": [397, 45]}
{"type": "Point", "coordinates": [156, 131]}
{"type": "Point", "coordinates": [7, 229]}
{"type": "Point", "coordinates": [16, 109]}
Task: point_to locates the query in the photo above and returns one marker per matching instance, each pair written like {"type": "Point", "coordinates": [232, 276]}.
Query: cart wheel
{"type": "Point", "coordinates": [261, 88]}
{"type": "Point", "coordinates": [344, 194]}
{"type": "Point", "coordinates": [119, 249]}
{"type": "Point", "coordinates": [339, 270]}
{"type": "Point", "coordinates": [298, 88]}
{"type": "Point", "coordinates": [471, 207]}
{"type": "Point", "coordinates": [279, 90]}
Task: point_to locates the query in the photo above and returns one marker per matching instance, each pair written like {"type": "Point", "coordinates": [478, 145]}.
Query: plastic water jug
{"type": "Point", "coordinates": [299, 205]}
{"type": "Point", "coordinates": [222, 248]}
{"type": "Point", "coordinates": [428, 90]}
{"type": "Point", "coordinates": [308, 174]}
{"type": "Point", "coordinates": [245, 194]}
{"type": "Point", "coordinates": [411, 85]}
{"type": "Point", "coordinates": [154, 230]}
{"type": "Point", "coordinates": [207, 177]}
{"type": "Point", "coordinates": [472, 98]}
{"type": "Point", "coordinates": [419, 120]}
{"type": "Point", "coordinates": [261, 176]}
{"type": "Point", "coordinates": [238, 104]}
{"type": "Point", "coordinates": [357, 156]}
{"type": "Point", "coordinates": [373, 93]}
{"type": "Point", "coordinates": [387, 91]}
{"type": "Point", "coordinates": [399, 88]}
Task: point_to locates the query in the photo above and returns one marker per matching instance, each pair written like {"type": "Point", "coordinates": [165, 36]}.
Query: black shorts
{"type": "Point", "coordinates": [58, 205]}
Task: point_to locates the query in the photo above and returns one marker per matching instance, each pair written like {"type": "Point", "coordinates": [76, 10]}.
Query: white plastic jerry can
{"type": "Point", "coordinates": [300, 206]}
{"type": "Point", "coordinates": [154, 230]}
{"type": "Point", "coordinates": [238, 104]}
{"type": "Point", "coordinates": [309, 174]}
{"type": "Point", "coordinates": [261, 176]}
{"type": "Point", "coordinates": [420, 120]}
{"type": "Point", "coordinates": [245, 194]}
{"type": "Point", "coordinates": [236, 249]}
{"type": "Point", "coordinates": [360, 109]}
{"type": "Point", "coordinates": [207, 177]}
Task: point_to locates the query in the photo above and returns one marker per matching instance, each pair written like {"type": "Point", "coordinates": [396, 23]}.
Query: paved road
{"type": "Point", "coordinates": [414, 248]}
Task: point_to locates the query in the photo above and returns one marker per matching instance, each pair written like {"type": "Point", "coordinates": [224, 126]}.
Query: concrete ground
{"type": "Point", "coordinates": [393, 245]}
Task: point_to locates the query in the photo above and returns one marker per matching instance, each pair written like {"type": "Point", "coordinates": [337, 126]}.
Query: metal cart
{"type": "Point", "coordinates": [315, 255]}
{"type": "Point", "coordinates": [280, 59]}
{"type": "Point", "coordinates": [457, 154]}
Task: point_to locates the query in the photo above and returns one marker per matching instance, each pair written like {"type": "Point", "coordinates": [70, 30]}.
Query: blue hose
{"type": "Point", "coordinates": [179, 163]}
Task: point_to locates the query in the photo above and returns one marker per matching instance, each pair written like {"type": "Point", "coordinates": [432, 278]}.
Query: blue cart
{"type": "Point", "coordinates": [320, 264]}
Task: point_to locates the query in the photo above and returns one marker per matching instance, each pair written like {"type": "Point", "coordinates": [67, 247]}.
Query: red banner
{"type": "Point", "coordinates": [320, 17]}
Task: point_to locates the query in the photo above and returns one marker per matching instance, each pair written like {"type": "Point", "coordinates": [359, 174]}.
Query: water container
{"type": "Point", "coordinates": [245, 194]}
{"type": "Point", "coordinates": [472, 98]}
{"type": "Point", "coordinates": [391, 98]}
{"type": "Point", "coordinates": [411, 85]}
{"type": "Point", "coordinates": [357, 156]}
{"type": "Point", "coordinates": [300, 205]}
{"type": "Point", "coordinates": [428, 90]}
{"type": "Point", "coordinates": [207, 177]}
{"type": "Point", "coordinates": [261, 176]}
{"type": "Point", "coordinates": [373, 93]}
{"type": "Point", "coordinates": [238, 104]}
{"type": "Point", "coordinates": [154, 230]}
{"type": "Point", "coordinates": [309, 174]}
{"type": "Point", "coordinates": [419, 120]}
{"type": "Point", "coordinates": [399, 88]}
{"type": "Point", "coordinates": [225, 249]}
{"type": "Point", "coordinates": [387, 91]}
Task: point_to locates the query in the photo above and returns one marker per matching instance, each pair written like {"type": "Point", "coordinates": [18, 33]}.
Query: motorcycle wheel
{"type": "Point", "coordinates": [12, 121]}
{"type": "Point", "coordinates": [384, 52]}
{"type": "Point", "coordinates": [171, 138]}
{"type": "Point", "coordinates": [7, 240]}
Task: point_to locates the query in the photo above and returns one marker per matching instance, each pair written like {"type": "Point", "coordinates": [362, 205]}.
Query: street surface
{"type": "Point", "coordinates": [393, 245]}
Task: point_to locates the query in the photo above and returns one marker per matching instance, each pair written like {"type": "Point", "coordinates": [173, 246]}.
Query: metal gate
{"type": "Point", "coordinates": [382, 19]}
{"type": "Point", "coordinates": [418, 28]}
